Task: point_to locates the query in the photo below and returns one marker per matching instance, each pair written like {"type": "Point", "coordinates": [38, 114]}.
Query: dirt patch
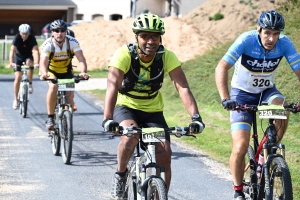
{"type": "Point", "coordinates": [188, 36]}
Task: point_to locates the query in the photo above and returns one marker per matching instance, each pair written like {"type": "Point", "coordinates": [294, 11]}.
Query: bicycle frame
{"type": "Point", "coordinates": [23, 94]}
{"type": "Point", "coordinates": [63, 128]}
{"type": "Point", "coordinates": [269, 146]}
{"type": "Point", "coordinates": [142, 171]}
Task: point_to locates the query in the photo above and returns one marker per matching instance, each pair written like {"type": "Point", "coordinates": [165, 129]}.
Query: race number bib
{"type": "Point", "coordinates": [260, 81]}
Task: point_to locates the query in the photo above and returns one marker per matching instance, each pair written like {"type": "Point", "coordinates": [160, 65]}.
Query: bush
{"type": "Point", "coordinates": [218, 16]}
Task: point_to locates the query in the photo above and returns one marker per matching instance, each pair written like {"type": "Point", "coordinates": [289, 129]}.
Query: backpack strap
{"type": "Point", "coordinates": [70, 54]}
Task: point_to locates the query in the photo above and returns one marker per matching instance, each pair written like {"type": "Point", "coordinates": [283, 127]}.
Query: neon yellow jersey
{"type": "Point", "coordinates": [60, 61]}
{"type": "Point", "coordinates": [122, 60]}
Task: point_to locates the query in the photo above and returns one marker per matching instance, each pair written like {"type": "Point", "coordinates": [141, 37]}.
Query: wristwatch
{"type": "Point", "coordinates": [196, 117]}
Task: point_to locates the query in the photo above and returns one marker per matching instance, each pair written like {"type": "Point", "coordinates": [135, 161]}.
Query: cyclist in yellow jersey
{"type": "Point", "coordinates": [56, 56]}
{"type": "Point", "coordinates": [136, 73]}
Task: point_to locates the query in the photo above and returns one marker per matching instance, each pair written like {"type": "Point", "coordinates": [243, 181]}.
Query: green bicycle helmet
{"type": "Point", "coordinates": [148, 22]}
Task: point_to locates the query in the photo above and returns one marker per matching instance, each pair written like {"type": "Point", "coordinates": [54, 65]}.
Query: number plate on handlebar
{"type": "Point", "coordinates": [272, 112]}
{"type": "Point", "coordinates": [153, 135]}
{"type": "Point", "coordinates": [66, 85]}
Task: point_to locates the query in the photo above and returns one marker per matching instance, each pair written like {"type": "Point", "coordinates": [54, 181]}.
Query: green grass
{"type": "Point", "coordinates": [93, 73]}
{"type": "Point", "coordinates": [215, 141]}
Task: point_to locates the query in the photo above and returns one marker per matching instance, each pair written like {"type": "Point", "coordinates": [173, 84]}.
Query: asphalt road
{"type": "Point", "coordinates": [29, 170]}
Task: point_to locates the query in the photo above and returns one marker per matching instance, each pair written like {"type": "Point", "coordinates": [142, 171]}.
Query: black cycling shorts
{"type": "Point", "coordinates": [19, 61]}
{"type": "Point", "coordinates": [142, 119]}
{"type": "Point", "coordinates": [67, 75]}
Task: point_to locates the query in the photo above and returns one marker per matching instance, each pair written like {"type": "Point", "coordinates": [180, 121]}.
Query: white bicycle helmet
{"type": "Point", "coordinates": [24, 28]}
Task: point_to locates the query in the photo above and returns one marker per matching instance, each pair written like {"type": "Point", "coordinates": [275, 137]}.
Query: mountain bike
{"type": "Point", "coordinates": [142, 180]}
{"type": "Point", "coordinates": [23, 95]}
{"type": "Point", "coordinates": [63, 117]}
{"type": "Point", "coordinates": [275, 180]}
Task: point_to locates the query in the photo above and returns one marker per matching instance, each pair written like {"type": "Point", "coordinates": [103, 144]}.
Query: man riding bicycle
{"type": "Point", "coordinates": [24, 45]}
{"type": "Point", "coordinates": [136, 73]}
{"type": "Point", "coordinates": [256, 56]}
{"type": "Point", "coordinates": [57, 53]}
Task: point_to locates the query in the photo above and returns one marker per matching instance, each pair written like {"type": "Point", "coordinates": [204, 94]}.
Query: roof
{"type": "Point", "coordinates": [38, 2]}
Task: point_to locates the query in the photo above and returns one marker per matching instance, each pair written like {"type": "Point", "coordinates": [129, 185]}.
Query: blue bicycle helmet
{"type": "Point", "coordinates": [271, 20]}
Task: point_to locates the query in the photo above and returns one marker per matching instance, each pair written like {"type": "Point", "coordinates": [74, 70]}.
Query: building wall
{"type": "Point", "coordinates": [102, 7]}
{"type": "Point", "coordinates": [89, 8]}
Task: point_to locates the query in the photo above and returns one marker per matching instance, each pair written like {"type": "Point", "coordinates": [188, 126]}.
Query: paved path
{"type": "Point", "coordinates": [92, 84]}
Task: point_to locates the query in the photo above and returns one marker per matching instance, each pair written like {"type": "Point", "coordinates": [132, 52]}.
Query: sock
{"type": "Point", "coordinates": [122, 173]}
{"type": "Point", "coordinates": [51, 116]}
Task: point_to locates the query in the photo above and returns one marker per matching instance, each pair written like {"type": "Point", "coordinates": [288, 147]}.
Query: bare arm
{"type": "Point", "coordinates": [297, 72]}
{"type": "Point", "coordinates": [13, 49]}
{"type": "Point", "coordinates": [181, 84]}
{"type": "Point", "coordinates": [36, 54]}
{"type": "Point", "coordinates": [43, 67]}
{"type": "Point", "coordinates": [221, 77]}
{"type": "Point", "coordinates": [82, 62]}
{"type": "Point", "coordinates": [114, 81]}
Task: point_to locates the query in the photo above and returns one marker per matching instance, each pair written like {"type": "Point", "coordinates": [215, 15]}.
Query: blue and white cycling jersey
{"type": "Point", "coordinates": [255, 68]}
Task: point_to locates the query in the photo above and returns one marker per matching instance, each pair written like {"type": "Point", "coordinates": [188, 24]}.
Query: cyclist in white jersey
{"type": "Point", "coordinates": [56, 57]}
{"type": "Point", "coordinates": [256, 56]}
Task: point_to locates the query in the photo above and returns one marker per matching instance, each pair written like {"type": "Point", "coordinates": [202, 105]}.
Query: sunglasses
{"type": "Point", "coordinates": [147, 36]}
{"type": "Point", "coordinates": [59, 30]}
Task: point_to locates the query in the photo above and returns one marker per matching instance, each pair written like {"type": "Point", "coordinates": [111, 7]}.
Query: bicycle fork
{"type": "Point", "coordinates": [148, 170]}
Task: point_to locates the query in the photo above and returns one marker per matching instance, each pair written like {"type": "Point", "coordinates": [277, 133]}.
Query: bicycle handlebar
{"type": "Point", "coordinates": [77, 79]}
{"type": "Point", "coordinates": [177, 131]}
{"type": "Point", "coordinates": [25, 67]}
{"type": "Point", "coordinates": [293, 107]}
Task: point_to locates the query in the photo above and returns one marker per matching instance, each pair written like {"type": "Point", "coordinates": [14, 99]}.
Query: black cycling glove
{"type": "Point", "coordinates": [229, 104]}
{"type": "Point", "coordinates": [196, 126]}
{"type": "Point", "coordinates": [110, 125]}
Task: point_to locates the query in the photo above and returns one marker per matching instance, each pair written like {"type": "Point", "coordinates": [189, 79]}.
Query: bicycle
{"type": "Point", "coordinates": [23, 95]}
{"type": "Point", "coordinates": [63, 117]}
{"type": "Point", "coordinates": [142, 180]}
{"type": "Point", "coordinates": [275, 180]}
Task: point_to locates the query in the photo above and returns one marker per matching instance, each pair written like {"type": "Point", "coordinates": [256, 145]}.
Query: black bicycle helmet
{"type": "Point", "coordinates": [70, 33]}
{"type": "Point", "coordinates": [148, 22]}
{"type": "Point", "coordinates": [58, 24]}
{"type": "Point", "coordinates": [271, 20]}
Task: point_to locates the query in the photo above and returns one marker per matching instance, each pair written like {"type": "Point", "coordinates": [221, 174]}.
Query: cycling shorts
{"type": "Point", "coordinates": [243, 120]}
{"type": "Point", "coordinates": [141, 118]}
{"type": "Point", "coordinates": [67, 75]}
{"type": "Point", "coordinates": [19, 61]}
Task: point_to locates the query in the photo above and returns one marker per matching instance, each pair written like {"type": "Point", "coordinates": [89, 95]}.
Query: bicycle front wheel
{"type": "Point", "coordinates": [280, 180]}
{"type": "Point", "coordinates": [157, 189]}
{"type": "Point", "coordinates": [20, 102]}
{"type": "Point", "coordinates": [67, 136]}
{"type": "Point", "coordinates": [25, 100]}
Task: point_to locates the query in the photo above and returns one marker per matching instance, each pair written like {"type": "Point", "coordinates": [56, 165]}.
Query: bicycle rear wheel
{"type": "Point", "coordinates": [250, 178]}
{"type": "Point", "coordinates": [280, 180]}
{"type": "Point", "coordinates": [56, 142]}
{"type": "Point", "coordinates": [25, 100]}
{"type": "Point", "coordinates": [157, 189]}
{"type": "Point", "coordinates": [131, 188]}
{"type": "Point", "coordinates": [67, 136]}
